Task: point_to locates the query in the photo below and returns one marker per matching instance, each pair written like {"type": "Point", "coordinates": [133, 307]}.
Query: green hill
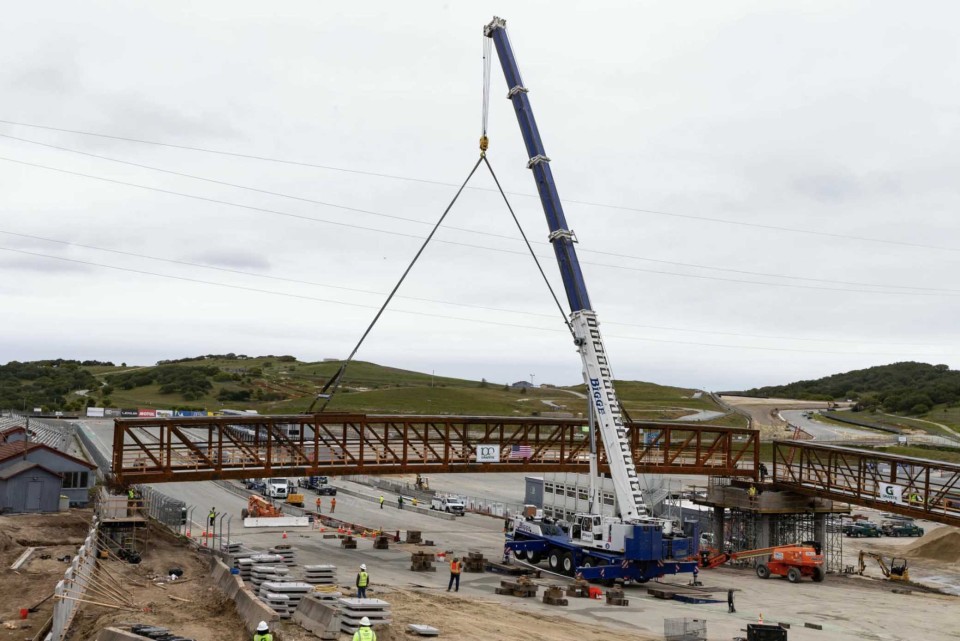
{"type": "Point", "coordinates": [283, 384]}
{"type": "Point", "coordinates": [909, 387]}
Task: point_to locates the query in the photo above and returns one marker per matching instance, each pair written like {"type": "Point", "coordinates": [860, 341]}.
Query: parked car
{"type": "Point", "coordinates": [326, 490]}
{"type": "Point", "coordinates": [254, 484]}
{"type": "Point", "coordinates": [901, 528]}
{"type": "Point", "coordinates": [313, 482]}
{"type": "Point", "coordinates": [863, 529]}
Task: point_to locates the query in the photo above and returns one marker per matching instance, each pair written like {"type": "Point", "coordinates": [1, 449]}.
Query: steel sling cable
{"type": "Point", "coordinates": [506, 200]}
{"type": "Point", "coordinates": [334, 382]}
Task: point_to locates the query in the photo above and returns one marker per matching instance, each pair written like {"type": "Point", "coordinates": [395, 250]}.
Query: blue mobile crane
{"type": "Point", "coordinates": [635, 546]}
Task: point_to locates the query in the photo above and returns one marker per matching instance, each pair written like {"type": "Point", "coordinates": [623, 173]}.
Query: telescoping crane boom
{"type": "Point", "coordinates": [636, 546]}
{"type": "Point", "coordinates": [583, 320]}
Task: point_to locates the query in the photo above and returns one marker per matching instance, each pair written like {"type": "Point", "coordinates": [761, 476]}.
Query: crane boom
{"type": "Point", "coordinates": [583, 320]}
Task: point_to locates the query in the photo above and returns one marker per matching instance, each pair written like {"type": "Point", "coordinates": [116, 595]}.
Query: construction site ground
{"type": "Point", "coordinates": [847, 608]}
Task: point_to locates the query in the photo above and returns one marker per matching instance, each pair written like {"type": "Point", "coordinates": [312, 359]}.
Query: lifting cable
{"type": "Point", "coordinates": [334, 382]}
{"type": "Point", "coordinates": [328, 390]}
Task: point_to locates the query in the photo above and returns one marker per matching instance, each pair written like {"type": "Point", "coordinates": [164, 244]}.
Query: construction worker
{"type": "Point", "coordinates": [455, 568]}
{"type": "Point", "coordinates": [333, 504]}
{"type": "Point", "coordinates": [730, 607]}
{"type": "Point", "coordinates": [319, 505]}
{"type": "Point", "coordinates": [400, 502]}
{"type": "Point", "coordinates": [414, 501]}
{"type": "Point", "coordinates": [363, 580]}
{"type": "Point", "coordinates": [752, 494]}
{"type": "Point", "coordinates": [364, 633]}
{"type": "Point", "coordinates": [763, 472]}
{"type": "Point", "coordinates": [381, 501]}
{"type": "Point", "coordinates": [263, 632]}
{"type": "Point", "coordinates": [212, 517]}
{"type": "Point", "coordinates": [131, 495]}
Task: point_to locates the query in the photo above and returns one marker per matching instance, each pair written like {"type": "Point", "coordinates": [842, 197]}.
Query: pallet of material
{"type": "Point", "coordinates": [522, 588]}
{"type": "Point", "coordinates": [474, 562]}
{"type": "Point", "coordinates": [615, 596]}
{"type": "Point", "coordinates": [512, 570]}
{"type": "Point", "coordinates": [554, 596]}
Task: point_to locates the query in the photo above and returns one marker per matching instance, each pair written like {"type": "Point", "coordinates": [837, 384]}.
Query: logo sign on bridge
{"type": "Point", "coordinates": [488, 454]}
{"type": "Point", "coordinates": [890, 493]}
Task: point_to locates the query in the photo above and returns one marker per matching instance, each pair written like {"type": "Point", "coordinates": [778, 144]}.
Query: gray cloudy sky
{"type": "Point", "coordinates": [685, 137]}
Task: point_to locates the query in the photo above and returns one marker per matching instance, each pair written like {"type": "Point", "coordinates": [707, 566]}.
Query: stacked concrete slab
{"type": "Point", "coordinates": [319, 616]}
{"type": "Point", "coordinates": [279, 603]}
{"type": "Point", "coordinates": [287, 552]}
{"type": "Point", "coordinates": [320, 574]}
{"type": "Point", "coordinates": [352, 610]}
{"type": "Point", "coordinates": [245, 565]}
{"type": "Point", "coordinates": [293, 590]}
{"type": "Point", "coordinates": [275, 573]}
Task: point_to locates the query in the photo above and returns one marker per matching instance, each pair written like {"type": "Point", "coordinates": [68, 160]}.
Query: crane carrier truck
{"type": "Point", "coordinates": [636, 546]}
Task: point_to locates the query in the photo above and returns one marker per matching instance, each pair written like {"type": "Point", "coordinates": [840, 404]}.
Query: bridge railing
{"type": "Point", "coordinates": [920, 488]}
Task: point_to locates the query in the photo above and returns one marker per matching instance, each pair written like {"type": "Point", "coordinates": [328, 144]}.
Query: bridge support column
{"type": "Point", "coordinates": [820, 528]}
{"type": "Point", "coordinates": [719, 541]}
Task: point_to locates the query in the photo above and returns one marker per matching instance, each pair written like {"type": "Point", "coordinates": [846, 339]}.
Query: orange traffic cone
{"type": "Point", "coordinates": [204, 535]}
{"type": "Point", "coordinates": [284, 534]}
{"type": "Point", "coordinates": [188, 533]}
{"type": "Point", "coordinates": [204, 543]}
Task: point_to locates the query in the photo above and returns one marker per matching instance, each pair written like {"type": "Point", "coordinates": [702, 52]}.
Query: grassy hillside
{"type": "Point", "coordinates": [282, 384]}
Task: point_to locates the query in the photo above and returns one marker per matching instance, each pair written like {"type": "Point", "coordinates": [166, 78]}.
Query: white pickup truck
{"type": "Point", "coordinates": [451, 504]}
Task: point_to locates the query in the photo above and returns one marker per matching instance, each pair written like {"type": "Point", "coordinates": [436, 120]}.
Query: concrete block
{"type": "Point", "coordinates": [423, 630]}
{"type": "Point", "coordinates": [319, 617]}
{"type": "Point", "coordinates": [116, 634]}
{"type": "Point", "coordinates": [252, 610]}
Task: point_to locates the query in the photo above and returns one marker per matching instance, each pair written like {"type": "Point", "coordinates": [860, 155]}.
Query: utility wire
{"type": "Point", "coordinates": [449, 242]}
{"type": "Point", "coordinates": [446, 317]}
{"type": "Point", "coordinates": [655, 212]}
{"type": "Point", "coordinates": [546, 280]}
{"type": "Point", "coordinates": [334, 383]}
{"type": "Point", "coordinates": [436, 301]}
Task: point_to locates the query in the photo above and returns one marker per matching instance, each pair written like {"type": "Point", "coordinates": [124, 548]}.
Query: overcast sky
{"type": "Point", "coordinates": [687, 140]}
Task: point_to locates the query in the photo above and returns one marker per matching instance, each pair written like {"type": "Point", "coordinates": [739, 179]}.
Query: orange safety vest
{"type": "Point", "coordinates": [455, 567]}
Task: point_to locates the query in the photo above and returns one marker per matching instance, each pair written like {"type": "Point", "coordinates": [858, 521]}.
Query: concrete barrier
{"type": "Point", "coordinates": [319, 617]}
{"type": "Point", "coordinates": [277, 521]}
{"type": "Point", "coordinates": [251, 609]}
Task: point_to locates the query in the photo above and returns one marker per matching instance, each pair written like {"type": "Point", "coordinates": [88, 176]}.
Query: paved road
{"type": "Point", "coordinates": [822, 431]}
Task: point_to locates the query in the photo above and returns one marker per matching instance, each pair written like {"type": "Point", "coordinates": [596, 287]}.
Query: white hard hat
{"type": "Point", "coordinates": [262, 626]}
{"type": "Point", "coordinates": [364, 621]}
{"type": "Point", "coordinates": [363, 566]}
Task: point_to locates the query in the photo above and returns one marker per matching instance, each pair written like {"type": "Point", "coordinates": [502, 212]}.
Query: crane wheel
{"type": "Point", "coordinates": [520, 554]}
{"type": "Point", "coordinates": [567, 566]}
{"type": "Point", "coordinates": [553, 560]}
{"type": "Point", "coordinates": [534, 557]}
{"type": "Point", "coordinates": [819, 575]}
{"type": "Point", "coordinates": [793, 575]}
{"type": "Point", "coordinates": [763, 571]}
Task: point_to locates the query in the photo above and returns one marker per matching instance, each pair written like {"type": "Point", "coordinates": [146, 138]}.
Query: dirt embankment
{"type": "Point", "coordinates": [472, 620]}
{"type": "Point", "coordinates": [54, 536]}
{"type": "Point", "coordinates": [943, 544]}
{"type": "Point", "coordinates": [190, 606]}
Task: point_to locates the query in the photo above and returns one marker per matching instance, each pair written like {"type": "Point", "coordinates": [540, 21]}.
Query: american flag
{"type": "Point", "coordinates": [521, 451]}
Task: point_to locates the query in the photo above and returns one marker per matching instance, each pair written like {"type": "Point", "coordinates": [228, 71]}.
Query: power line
{"type": "Point", "coordinates": [449, 242]}
{"type": "Point", "coordinates": [461, 229]}
{"type": "Point", "coordinates": [296, 281]}
{"type": "Point", "coordinates": [442, 302]}
{"type": "Point", "coordinates": [588, 203]}
{"type": "Point", "coordinates": [441, 316]}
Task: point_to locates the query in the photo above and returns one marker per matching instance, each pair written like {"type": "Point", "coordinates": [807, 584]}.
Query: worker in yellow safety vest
{"type": "Point", "coordinates": [263, 633]}
{"type": "Point", "coordinates": [455, 568]}
{"type": "Point", "coordinates": [363, 580]}
{"type": "Point", "coordinates": [364, 633]}
{"type": "Point", "coordinates": [381, 501]}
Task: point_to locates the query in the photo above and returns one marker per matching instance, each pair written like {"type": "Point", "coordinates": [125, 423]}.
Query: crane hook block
{"type": "Point", "coordinates": [484, 143]}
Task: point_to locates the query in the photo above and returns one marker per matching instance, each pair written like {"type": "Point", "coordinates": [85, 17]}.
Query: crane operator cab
{"type": "Point", "coordinates": [587, 528]}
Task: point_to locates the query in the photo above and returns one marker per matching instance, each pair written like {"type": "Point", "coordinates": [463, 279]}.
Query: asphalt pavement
{"type": "Point", "coordinates": [822, 431]}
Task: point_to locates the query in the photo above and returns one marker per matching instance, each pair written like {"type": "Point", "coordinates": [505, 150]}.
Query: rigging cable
{"type": "Point", "coordinates": [334, 383]}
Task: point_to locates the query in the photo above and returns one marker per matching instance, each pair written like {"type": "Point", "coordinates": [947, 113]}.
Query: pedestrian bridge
{"type": "Point", "coordinates": [156, 450]}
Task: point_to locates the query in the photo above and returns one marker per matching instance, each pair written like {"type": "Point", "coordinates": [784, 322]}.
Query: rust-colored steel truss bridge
{"type": "Point", "coordinates": [914, 487]}
{"type": "Point", "coordinates": [232, 447]}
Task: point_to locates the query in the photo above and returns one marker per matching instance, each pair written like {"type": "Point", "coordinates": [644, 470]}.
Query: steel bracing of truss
{"type": "Point", "coordinates": [206, 448]}
{"type": "Point", "coordinates": [915, 487]}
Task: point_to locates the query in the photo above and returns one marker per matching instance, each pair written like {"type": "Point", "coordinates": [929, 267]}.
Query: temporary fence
{"type": "Point", "coordinates": [684, 629]}
{"type": "Point", "coordinates": [71, 591]}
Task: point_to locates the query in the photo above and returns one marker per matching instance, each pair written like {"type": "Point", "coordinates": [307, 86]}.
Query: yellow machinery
{"type": "Point", "coordinates": [295, 498]}
{"type": "Point", "coordinates": [896, 571]}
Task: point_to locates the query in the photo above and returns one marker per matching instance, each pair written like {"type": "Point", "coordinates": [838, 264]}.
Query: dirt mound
{"type": "Point", "coordinates": [943, 544]}
{"type": "Point", "coordinates": [5, 542]}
